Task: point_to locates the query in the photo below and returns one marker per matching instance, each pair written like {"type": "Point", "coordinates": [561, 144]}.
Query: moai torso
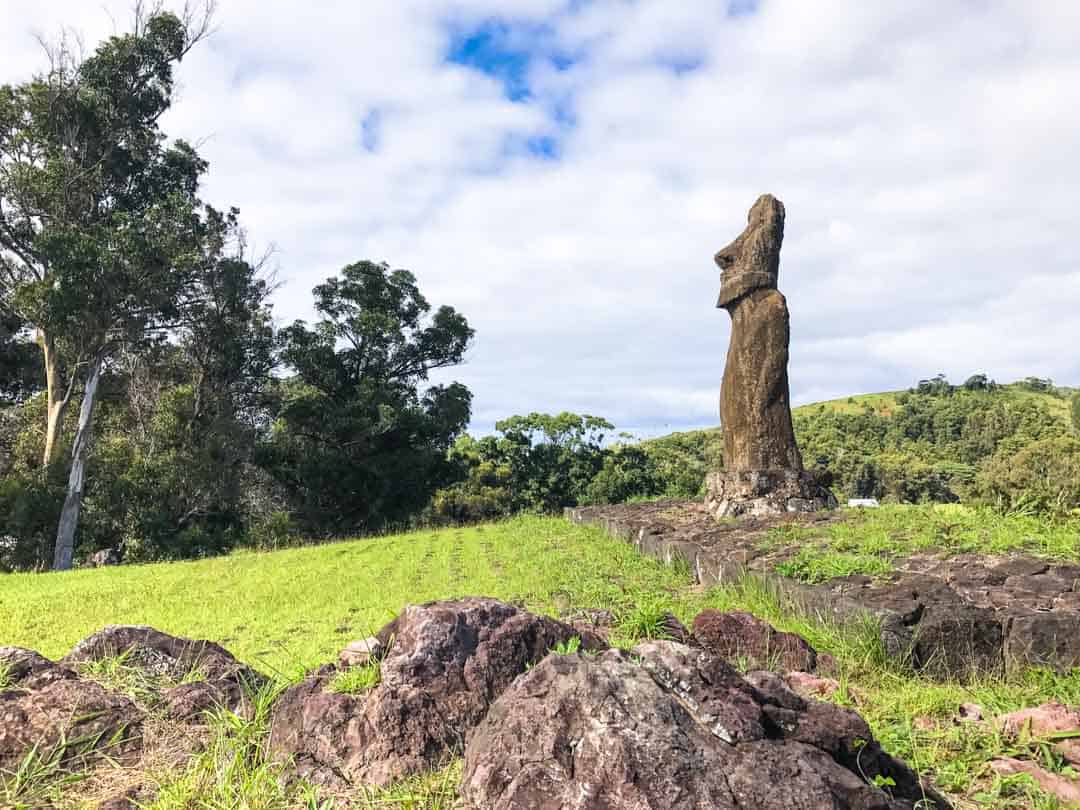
{"type": "Point", "coordinates": [755, 407]}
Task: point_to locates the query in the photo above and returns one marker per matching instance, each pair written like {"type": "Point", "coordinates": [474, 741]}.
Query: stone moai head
{"type": "Point", "coordinates": [752, 261]}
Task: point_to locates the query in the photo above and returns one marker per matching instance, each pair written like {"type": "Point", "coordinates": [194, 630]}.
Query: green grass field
{"type": "Point", "coordinates": [286, 610]}
{"type": "Point", "coordinates": [868, 541]}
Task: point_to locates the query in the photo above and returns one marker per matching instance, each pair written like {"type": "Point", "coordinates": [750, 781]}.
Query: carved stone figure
{"type": "Point", "coordinates": [763, 471]}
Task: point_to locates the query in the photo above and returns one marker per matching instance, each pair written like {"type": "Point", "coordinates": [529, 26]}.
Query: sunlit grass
{"type": "Point", "coordinates": [297, 608]}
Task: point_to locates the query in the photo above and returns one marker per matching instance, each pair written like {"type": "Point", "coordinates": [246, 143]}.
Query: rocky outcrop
{"type": "Point", "coordinates": [443, 664]}
{"type": "Point", "coordinates": [954, 616]}
{"type": "Point", "coordinates": [671, 727]}
{"type": "Point", "coordinates": [26, 669]}
{"type": "Point", "coordinates": [1051, 721]}
{"type": "Point", "coordinates": [763, 470]}
{"type": "Point", "coordinates": [213, 676]}
{"type": "Point", "coordinates": [66, 719]}
{"type": "Point", "coordinates": [742, 637]}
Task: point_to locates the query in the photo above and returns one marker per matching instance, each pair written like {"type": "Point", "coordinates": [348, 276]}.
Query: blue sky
{"type": "Point", "coordinates": [562, 173]}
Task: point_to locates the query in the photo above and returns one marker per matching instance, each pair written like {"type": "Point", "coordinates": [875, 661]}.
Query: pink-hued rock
{"type": "Point", "coordinates": [1040, 721]}
{"type": "Point", "coordinates": [737, 635]}
{"type": "Point", "coordinates": [670, 727]}
{"type": "Point", "coordinates": [812, 686]}
{"type": "Point", "coordinates": [360, 652]}
{"type": "Point", "coordinates": [77, 719]}
{"type": "Point", "coordinates": [445, 662]}
{"type": "Point", "coordinates": [1068, 790]}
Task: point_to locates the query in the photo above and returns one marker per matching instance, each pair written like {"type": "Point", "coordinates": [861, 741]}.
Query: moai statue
{"type": "Point", "coordinates": [763, 471]}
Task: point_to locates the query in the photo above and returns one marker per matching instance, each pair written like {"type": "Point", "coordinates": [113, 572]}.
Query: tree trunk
{"type": "Point", "coordinates": [58, 398]}
{"type": "Point", "coordinates": [69, 517]}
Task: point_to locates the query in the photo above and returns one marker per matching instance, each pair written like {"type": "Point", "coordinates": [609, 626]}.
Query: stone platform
{"type": "Point", "coordinates": [950, 616]}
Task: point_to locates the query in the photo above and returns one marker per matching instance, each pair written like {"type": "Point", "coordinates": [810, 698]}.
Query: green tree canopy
{"type": "Point", "coordinates": [356, 443]}
{"type": "Point", "coordinates": [99, 224]}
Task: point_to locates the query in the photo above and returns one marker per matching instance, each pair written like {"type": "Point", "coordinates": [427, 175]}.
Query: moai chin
{"type": "Point", "coordinates": [763, 470]}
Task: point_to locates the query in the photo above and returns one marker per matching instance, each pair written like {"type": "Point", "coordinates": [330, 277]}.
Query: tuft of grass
{"type": "Point", "coordinates": [6, 679]}
{"type": "Point", "coordinates": [354, 680]}
{"type": "Point", "coordinates": [235, 769]}
{"type": "Point", "coordinates": [39, 780]}
{"type": "Point", "coordinates": [815, 565]}
{"type": "Point", "coordinates": [434, 791]}
{"type": "Point", "coordinates": [644, 621]}
{"type": "Point", "coordinates": [569, 647]}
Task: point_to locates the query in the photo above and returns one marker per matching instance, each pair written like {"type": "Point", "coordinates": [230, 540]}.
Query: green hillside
{"type": "Point", "coordinates": [885, 402]}
{"type": "Point", "coordinates": [978, 442]}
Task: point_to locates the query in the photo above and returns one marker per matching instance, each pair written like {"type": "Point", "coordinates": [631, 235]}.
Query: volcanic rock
{"type": "Point", "coordinates": [741, 636]}
{"type": "Point", "coordinates": [444, 663]}
{"type": "Point", "coordinates": [223, 680]}
{"type": "Point", "coordinates": [677, 731]}
{"type": "Point", "coordinates": [72, 719]}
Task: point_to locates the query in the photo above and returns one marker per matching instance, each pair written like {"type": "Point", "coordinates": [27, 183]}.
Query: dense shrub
{"type": "Point", "coordinates": [1042, 478]}
{"type": "Point", "coordinates": [628, 472]}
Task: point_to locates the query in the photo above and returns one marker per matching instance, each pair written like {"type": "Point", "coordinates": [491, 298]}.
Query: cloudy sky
{"type": "Point", "coordinates": [562, 171]}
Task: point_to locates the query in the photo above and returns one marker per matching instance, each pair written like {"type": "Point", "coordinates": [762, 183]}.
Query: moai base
{"type": "Point", "coordinates": [755, 493]}
{"type": "Point", "coordinates": [763, 471]}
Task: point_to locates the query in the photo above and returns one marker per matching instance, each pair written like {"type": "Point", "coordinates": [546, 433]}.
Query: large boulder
{"type": "Point", "coordinates": [443, 665]}
{"type": "Point", "coordinates": [671, 727]}
{"type": "Point", "coordinates": [27, 669]}
{"type": "Point", "coordinates": [206, 675]}
{"type": "Point", "coordinates": [68, 718]}
{"type": "Point", "coordinates": [740, 636]}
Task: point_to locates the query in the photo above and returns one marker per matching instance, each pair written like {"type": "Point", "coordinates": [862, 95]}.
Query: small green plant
{"type": "Point", "coordinates": [569, 647]}
{"type": "Point", "coordinates": [815, 565]}
{"type": "Point", "coordinates": [647, 620]}
{"type": "Point", "coordinates": [434, 791]}
{"type": "Point", "coordinates": [121, 674]}
{"type": "Point", "coordinates": [235, 769]}
{"type": "Point", "coordinates": [355, 680]}
{"type": "Point", "coordinates": [38, 780]}
{"type": "Point", "coordinates": [6, 680]}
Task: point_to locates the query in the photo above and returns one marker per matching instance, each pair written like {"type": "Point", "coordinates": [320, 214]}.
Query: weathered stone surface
{"type": "Point", "coordinates": [1042, 639]}
{"type": "Point", "coordinates": [445, 662]}
{"type": "Point", "coordinates": [958, 641]}
{"type": "Point", "coordinates": [763, 470]}
{"type": "Point", "coordinates": [77, 719]}
{"type": "Point", "coordinates": [1044, 720]}
{"type": "Point", "coordinates": [27, 669]}
{"type": "Point", "coordinates": [810, 686]}
{"type": "Point", "coordinates": [740, 636]}
{"type": "Point", "coordinates": [360, 652]}
{"type": "Point", "coordinates": [953, 615]}
{"type": "Point", "coordinates": [226, 682]}
{"type": "Point", "coordinates": [679, 730]}
{"type": "Point", "coordinates": [189, 702]}
{"type": "Point", "coordinates": [1066, 789]}
{"type": "Point", "coordinates": [159, 653]}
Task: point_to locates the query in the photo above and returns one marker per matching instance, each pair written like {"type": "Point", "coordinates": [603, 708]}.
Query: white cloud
{"type": "Point", "coordinates": [926, 153]}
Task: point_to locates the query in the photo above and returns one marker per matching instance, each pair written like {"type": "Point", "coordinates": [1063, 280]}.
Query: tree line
{"type": "Point", "coordinates": [150, 404]}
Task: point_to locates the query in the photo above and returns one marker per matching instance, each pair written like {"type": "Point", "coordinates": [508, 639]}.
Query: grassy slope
{"type": "Point", "coordinates": [292, 608]}
{"type": "Point", "coordinates": [884, 402]}
{"type": "Point", "coordinates": [297, 607]}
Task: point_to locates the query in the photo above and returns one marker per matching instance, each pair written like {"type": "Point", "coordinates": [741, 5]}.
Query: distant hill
{"type": "Point", "coordinates": [885, 402]}
{"type": "Point", "coordinates": [924, 443]}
